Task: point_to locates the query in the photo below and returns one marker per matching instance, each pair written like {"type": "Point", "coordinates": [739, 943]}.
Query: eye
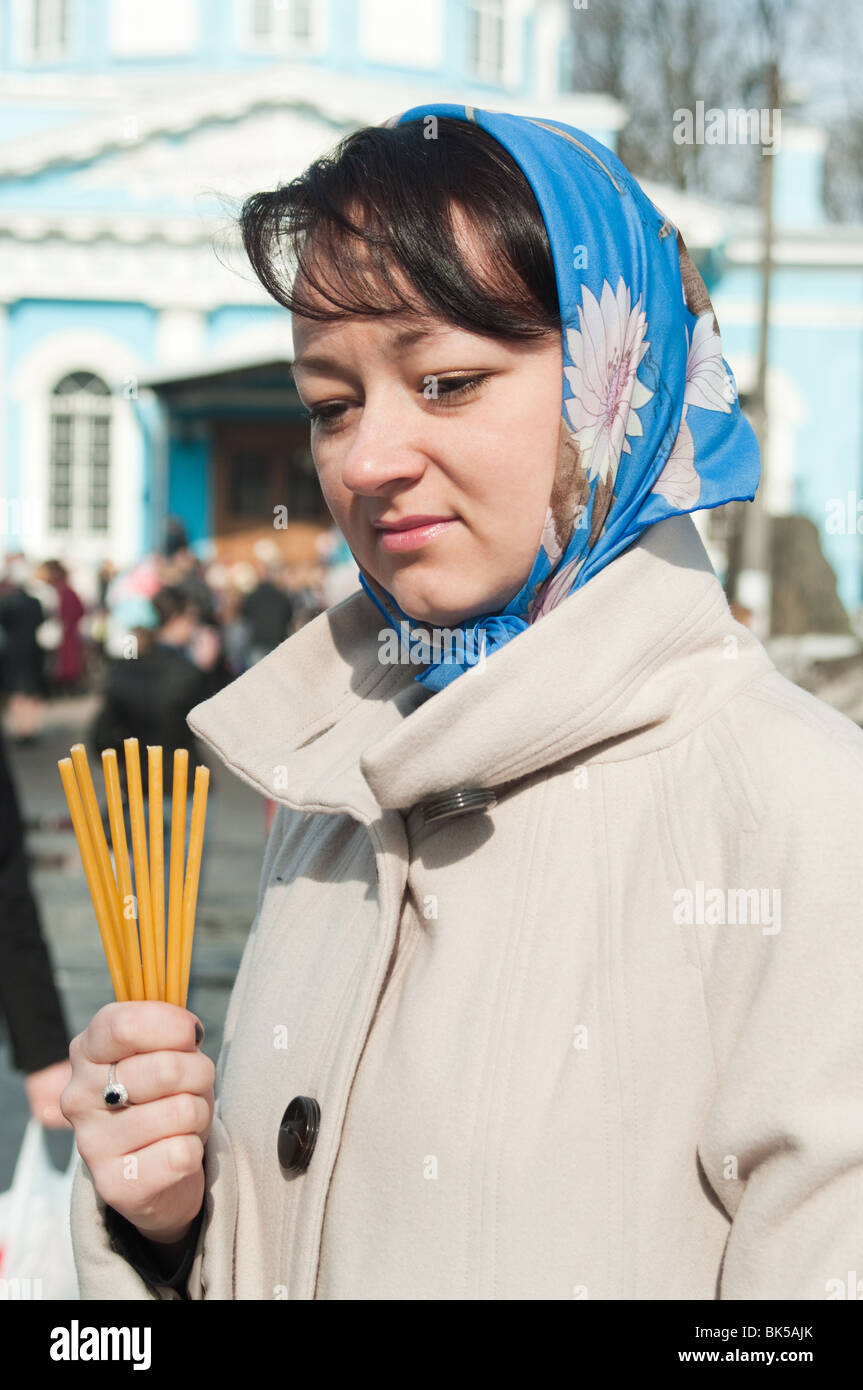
{"type": "Point", "coordinates": [452, 388]}
{"type": "Point", "coordinates": [460, 386]}
{"type": "Point", "coordinates": [323, 416]}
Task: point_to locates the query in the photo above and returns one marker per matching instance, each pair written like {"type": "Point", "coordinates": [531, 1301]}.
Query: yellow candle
{"type": "Point", "coordinates": [175, 899]}
{"type": "Point", "coordinates": [97, 834]}
{"type": "Point", "coordinates": [157, 859]}
{"type": "Point", "coordinates": [124, 874]}
{"type": "Point", "coordinates": [94, 877]}
{"type": "Point", "coordinates": [193, 871]}
{"type": "Point", "coordinates": [142, 868]}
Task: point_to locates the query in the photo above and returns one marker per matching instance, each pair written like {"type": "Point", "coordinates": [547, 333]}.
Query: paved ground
{"type": "Point", "coordinates": [232, 859]}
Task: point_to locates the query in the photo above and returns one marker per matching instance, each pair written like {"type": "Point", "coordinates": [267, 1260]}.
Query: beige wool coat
{"type": "Point", "coordinates": [598, 1037]}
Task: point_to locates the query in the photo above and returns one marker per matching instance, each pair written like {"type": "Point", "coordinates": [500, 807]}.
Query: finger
{"type": "Point", "coordinates": [149, 1076]}
{"type": "Point", "coordinates": [105, 1135]}
{"type": "Point", "coordinates": [143, 1025]}
{"type": "Point", "coordinates": [136, 1184]}
{"type": "Point", "coordinates": [52, 1117]}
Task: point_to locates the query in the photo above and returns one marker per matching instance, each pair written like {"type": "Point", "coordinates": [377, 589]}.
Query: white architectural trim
{"type": "Point", "coordinates": [820, 247]}
{"type": "Point", "coordinates": [789, 410]}
{"type": "Point", "coordinates": [31, 384]}
{"type": "Point", "coordinates": [395, 34]}
{"type": "Point", "coordinates": [702, 223]}
{"type": "Point", "coordinates": [789, 314]}
{"type": "Point", "coordinates": [261, 343]}
{"type": "Point", "coordinates": [515, 13]}
{"type": "Point", "coordinates": [155, 274]}
{"type": "Point", "coordinates": [180, 337]}
{"type": "Point", "coordinates": [809, 138]}
{"type": "Point", "coordinates": [160, 28]}
{"type": "Point", "coordinates": [549, 33]}
{"type": "Point", "coordinates": [128, 229]}
{"type": "Point", "coordinates": [353, 100]}
{"type": "Point", "coordinates": [249, 347]}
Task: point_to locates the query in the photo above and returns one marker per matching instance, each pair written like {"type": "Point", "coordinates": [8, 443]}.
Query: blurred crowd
{"type": "Point", "coordinates": [165, 632]}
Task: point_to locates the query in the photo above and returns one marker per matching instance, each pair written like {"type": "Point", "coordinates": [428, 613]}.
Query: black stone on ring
{"type": "Point", "coordinates": [115, 1094]}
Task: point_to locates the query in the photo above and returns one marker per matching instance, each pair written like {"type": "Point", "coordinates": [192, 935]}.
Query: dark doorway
{"type": "Point", "coordinates": [262, 473]}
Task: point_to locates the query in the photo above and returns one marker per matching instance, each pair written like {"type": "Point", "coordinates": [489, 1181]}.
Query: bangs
{"type": "Point", "coordinates": [394, 223]}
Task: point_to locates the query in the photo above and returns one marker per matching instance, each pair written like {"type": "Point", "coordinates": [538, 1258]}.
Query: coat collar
{"type": "Point", "coordinates": [629, 663]}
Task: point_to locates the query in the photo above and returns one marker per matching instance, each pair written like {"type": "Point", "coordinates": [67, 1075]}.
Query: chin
{"type": "Point", "coordinates": [433, 614]}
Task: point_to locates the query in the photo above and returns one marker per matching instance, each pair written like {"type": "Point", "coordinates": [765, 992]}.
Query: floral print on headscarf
{"type": "Point", "coordinates": [650, 422]}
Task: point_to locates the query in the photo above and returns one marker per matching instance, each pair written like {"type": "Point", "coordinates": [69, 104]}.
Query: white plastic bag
{"type": "Point", "coordinates": [36, 1259]}
{"type": "Point", "coordinates": [49, 634]}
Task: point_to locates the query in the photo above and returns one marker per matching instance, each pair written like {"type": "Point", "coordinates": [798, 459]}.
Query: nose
{"type": "Point", "coordinates": [385, 447]}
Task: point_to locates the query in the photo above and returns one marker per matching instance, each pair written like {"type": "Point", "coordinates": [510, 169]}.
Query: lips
{"type": "Point", "coordinates": [407, 523]}
{"type": "Point", "coordinates": [413, 532]}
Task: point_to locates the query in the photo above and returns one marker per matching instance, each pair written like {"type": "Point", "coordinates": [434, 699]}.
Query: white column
{"type": "Point", "coordinates": [549, 32]}
{"type": "Point", "coordinates": [180, 335]}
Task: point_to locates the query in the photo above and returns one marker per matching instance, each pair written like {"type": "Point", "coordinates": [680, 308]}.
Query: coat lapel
{"type": "Point", "coordinates": [626, 664]}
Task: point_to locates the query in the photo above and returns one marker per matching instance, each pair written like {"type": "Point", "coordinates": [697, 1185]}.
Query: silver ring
{"type": "Point", "coordinates": [115, 1093]}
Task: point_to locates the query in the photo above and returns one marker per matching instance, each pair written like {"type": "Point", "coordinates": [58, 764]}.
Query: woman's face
{"type": "Point", "coordinates": [418, 419]}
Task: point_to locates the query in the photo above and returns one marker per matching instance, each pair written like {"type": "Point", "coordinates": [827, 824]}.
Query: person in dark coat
{"type": "Point", "coordinates": [35, 1018]}
{"type": "Point", "coordinates": [268, 612]}
{"type": "Point", "coordinates": [149, 694]}
{"type": "Point", "coordinates": [23, 668]}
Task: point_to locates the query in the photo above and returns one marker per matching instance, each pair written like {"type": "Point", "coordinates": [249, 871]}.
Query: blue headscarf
{"type": "Point", "coordinates": [650, 422]}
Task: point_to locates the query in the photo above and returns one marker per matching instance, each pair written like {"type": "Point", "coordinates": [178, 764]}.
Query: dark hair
{"type": "Point", "coordinates": [176, 537]}
{"type": "Point", "coordinates": [170, 602]}
{"type": "Point", "coordinates": [393, 191]}
{"type": "Point", "coordinates": [55, 571]}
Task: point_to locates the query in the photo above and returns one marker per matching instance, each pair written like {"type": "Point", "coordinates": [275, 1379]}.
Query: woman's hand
{"type": "Point", "coordinates": [43, 1094]}
{"type": "Point", "coordinates": [145, 1158]}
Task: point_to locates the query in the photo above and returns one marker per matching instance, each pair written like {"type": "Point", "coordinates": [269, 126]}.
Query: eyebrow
{"type": "Point", "coordinates": [404, 338]}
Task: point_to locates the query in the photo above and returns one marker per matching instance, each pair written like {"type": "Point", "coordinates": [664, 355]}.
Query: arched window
{"type": "Point", "coordinates": [79, 472]}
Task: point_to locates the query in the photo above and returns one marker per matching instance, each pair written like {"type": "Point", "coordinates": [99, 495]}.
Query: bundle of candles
{"type": "Point", "coordinates": [145, 962]}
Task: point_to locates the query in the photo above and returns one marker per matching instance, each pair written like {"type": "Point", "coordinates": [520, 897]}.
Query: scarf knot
{"type": "Point", "coordinates": [482, 636]}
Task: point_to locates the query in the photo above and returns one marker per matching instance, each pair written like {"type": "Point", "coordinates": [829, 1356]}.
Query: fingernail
{"type": "Point", "coordinates": [199, 1034]}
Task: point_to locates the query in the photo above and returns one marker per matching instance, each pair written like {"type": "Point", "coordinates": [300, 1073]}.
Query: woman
{"type": "Point", "coordinates": [553, 986]}
{"type": "Point", "coordinates": [69, 661]}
